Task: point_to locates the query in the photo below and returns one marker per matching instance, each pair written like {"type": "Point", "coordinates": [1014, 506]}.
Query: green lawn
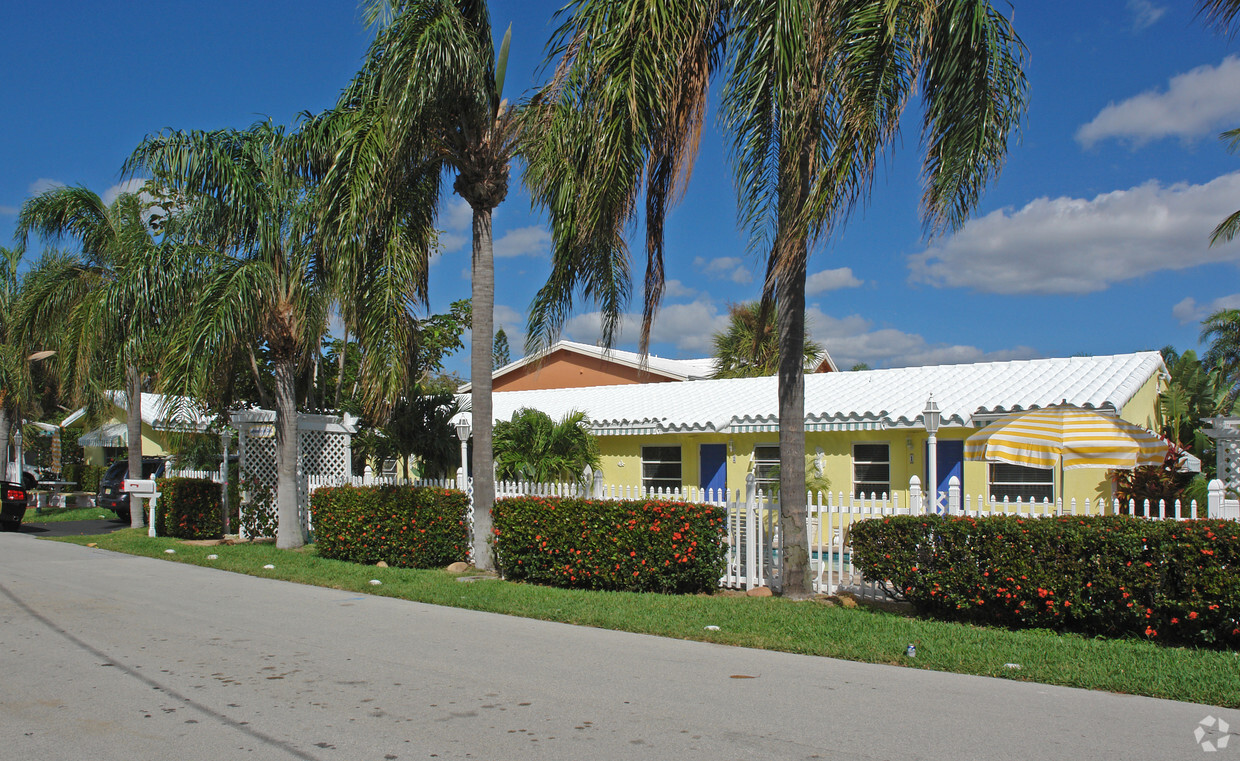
{"type": "Point", "coordinates": [59, 514]}
{"type": "Point", "coordinates": [861, 634]}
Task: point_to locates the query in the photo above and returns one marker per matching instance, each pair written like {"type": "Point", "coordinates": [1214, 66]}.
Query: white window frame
{"type": "Point", "coordinates": [762, 467]}
{"type": "Point", "coordinates": [1024, 489]}
{"type": "Point", "coordinates": [663, 482]}
{"type": "Point", "coordinates": [857, 484]}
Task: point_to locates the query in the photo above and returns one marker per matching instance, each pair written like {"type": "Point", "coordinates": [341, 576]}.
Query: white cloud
{"type": "Point", "coordinates": [831, 280]}
{"type": "Point", "coordinates": [725, 268]}
{"type": "Point", "coordinates": [674, 289]}
{"type": "Point", "coordinates": [689, 327]}
{"type": "Point", "coordinates": [1195, 103]}
{"type": "Point", "coordinates": [1075, 245]}
{"type": "Point", "coordinates": [1189, 310]}
{"type": "Point", "coordinates": [42, 185]}
{"type": "Point", "coordinates": [524, 241]}
{"type": "Point", "coordinates": [513, 323]}
{"type": "Point", "coordinates": [457, 214]}
{"type": "Point", "coordinates": [132, 185]}
{"type": "Point", "coordinates": [854, 339]}
{"type": "Point", "coordinates": [450, 243]}
{"type": "Point", "coordinates": [1144, 14]}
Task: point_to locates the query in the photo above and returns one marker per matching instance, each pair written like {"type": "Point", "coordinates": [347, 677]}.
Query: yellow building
{"type": "Point", "coordinates": [864, 429]}
{"type": "Point", "coordinates": [161, 415]}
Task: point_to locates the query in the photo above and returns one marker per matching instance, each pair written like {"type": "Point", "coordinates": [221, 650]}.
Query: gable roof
{"type": "Point", "coordinates": [967, 395]}
{"type": "Point", "coordinates": [672, 369]}
{"type": "Point", "coordinates": [164, 412]}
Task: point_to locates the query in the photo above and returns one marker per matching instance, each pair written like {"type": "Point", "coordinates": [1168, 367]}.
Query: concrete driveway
{"type": "Point", "coordinates": [107, 656]}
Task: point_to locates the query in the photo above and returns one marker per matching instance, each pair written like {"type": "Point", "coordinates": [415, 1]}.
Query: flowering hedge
{"type": "Point", "coordinates": [637, 546]}
{"type": "Point", "coordinates": [188, 508]}
{"type": "Point", "coordinates": [1168, 581]}
{"type": "Point", "coordinates": [400, 525]}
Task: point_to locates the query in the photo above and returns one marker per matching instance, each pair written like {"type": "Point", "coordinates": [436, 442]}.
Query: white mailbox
{"type": "Point", "coordinates": [139, 487]}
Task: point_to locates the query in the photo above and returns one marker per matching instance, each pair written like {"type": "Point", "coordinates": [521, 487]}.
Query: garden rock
{"type": "Point", "coordinates": [458, 567]}
{"type": "Point", "coordinates": [759, 592]}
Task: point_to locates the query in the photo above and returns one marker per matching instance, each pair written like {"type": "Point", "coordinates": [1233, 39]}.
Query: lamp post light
{"type": "Point", "coordinates": [19, 459]}
{"type": "Point", "coordinates": [931, 418]}
{"type": "Point", "coordinates": [463, 429]}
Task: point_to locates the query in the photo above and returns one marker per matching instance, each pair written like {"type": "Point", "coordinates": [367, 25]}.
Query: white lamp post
{"type": "Point", "coordinates": [931, 417]}
{"type": "Point", "coordinates": [463, 430]}
{"type": "Point", "coordinates": [20, 458]}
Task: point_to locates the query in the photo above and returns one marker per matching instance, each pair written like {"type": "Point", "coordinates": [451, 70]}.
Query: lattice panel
{"type": "Point", "coordinates": [1229, 463]}
{"type": "Point", "coordinates": [321, 454]}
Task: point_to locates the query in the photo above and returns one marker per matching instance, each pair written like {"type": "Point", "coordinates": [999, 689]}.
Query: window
{"type": "Point", "coordinates": [1021, 482]}
{"type": "Point", "coordinates": [661, 468]}
{"type": "Point", "coordinates": [766, 468]}
{"type": "Point", "coordinates": [871, 470]}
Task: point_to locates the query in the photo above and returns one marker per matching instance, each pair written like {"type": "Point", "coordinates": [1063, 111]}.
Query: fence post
{"type": "Point", "coordinates": [1214, 498]}
{"type": "Point", "coordinates": [752, 571]}
{"type": "Point", "coordinates": [915, 502]}
{"type": "Point", "coordinates": [953, 496]}
{"type": "Point", "coordinates": [598, 485]}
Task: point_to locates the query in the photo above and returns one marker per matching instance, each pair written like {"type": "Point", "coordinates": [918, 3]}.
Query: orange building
{"type": "Point", "coordinates": [568, 364]}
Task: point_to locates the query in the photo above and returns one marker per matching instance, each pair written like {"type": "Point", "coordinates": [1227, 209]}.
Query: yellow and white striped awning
{"type": "Point", "coordinates": [1082, 438]}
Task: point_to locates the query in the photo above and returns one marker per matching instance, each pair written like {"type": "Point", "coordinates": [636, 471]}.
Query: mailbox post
{"type": "Point", "coordinates": [142, 488]}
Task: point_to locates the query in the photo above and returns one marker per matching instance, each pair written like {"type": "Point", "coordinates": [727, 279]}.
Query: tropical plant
{"type": "Point", "coordinates": [499, 349]}
{"type": "Point", "coordinates": [533, 447]}
{"type": "Point", "coordinates": [110, 301]}
{"type": "Point", "coordinates": [812, 96]}
{"type": "Point", "coordinates": [277, 276]}
{"type": "Point", "coordinates": [420, 427]}
{"type": "Point", "coordinates": [1222, 330]}
{"type": "Point", "coordinates": [14, 367]}
{"type": "Point", "coordinates": [747, 347]}
{"type": "Point", "coordinates": [426, 104]}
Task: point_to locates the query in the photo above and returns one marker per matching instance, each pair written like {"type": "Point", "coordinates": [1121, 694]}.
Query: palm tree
{"type": "Point", "coordinates": [428, 103]}
{"type": "Point", "coordinates": [747, 348]}
{"type": "Point", "coordinates": [1222, 15]}
{"type": "Point", "coordinates": [812, 96]}
{"type": "Point", "coordinates": [533, 447]}
{"type": "Point", "coordinates": [14, 367]}
{"type": "Point", "coordinates": [107, 302]}
{"type": "Point", "coordinates": [1222, 330]}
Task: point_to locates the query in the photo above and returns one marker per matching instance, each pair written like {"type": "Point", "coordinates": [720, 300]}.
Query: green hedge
{"type": "Point", "coordinates": [86, 476]}
{"type": "Point", "coordinates": [188, 508]}
{"type": "Point", "coordinates": [636, 546]}
{"type": "Point", "coordinates": [1168, 581]}
{"type": "Point", "coordinates": [400, 525]}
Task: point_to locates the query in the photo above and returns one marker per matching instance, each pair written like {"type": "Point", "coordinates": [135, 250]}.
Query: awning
{"type": "Point", "coordinates": [111, 435]}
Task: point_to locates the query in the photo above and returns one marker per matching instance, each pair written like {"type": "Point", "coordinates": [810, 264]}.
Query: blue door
{"type": "Point", "coordinates": [950, 463]}
{"type": "Point", "coordinates": [714, 467]}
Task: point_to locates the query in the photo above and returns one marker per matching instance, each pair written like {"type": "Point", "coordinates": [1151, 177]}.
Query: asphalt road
{"type": "Point", "coordinates": [107, 656]}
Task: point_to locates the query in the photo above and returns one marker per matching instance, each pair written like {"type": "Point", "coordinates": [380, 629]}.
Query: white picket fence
{"type": "Point", "coordinates": [753, 556]}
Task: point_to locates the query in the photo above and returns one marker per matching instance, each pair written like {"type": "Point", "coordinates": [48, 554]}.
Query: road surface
{"type": "Point", "coordinates": [107, 656]}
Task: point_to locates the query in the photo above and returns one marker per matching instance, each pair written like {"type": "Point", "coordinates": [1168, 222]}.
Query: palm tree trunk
{"type": "Point", "coordinates": [133, 430]}
{"type": "Point", "coordinates": [288, 521]}
{"type": "Point", "coordinates": [344, 349]}
{"type": "Point", "coordinates": [9, 462]}
{"type": "Point", "coordinates": [795, 581]}
{"type": "Point", "coordinates": [480, 377]}
{"type": "Point", "coordinates": [263, 401]}
{"type": "Point", "coordinates": [793, 533]}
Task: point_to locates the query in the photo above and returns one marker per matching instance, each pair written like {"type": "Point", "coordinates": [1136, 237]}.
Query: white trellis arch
{"type": "Point", "coordinates": [324, 451]}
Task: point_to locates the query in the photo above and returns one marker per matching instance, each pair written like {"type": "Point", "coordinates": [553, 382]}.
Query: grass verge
{"type": "Point", "coordinates": [862, 634]}
{"type": "Point", "coordinates": [61, 514]}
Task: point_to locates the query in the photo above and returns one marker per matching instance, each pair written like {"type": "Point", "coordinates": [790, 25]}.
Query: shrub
{"type": "Point", "coordinates": [188, 508]}
{"type": "Point", "coordinates": [86, 476]}
{"type": "Point", "coordinates": [412, 527]}
{"type": "Point", "coordinates": [635, 546]}
{"type": "Point", "coordinates": [1169, 581]}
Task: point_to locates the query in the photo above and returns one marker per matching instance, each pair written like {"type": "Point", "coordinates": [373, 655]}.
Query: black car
{"type": "Point", "coordinates": [112, 497]}
{"type": "Point", "coordinates": [12, 505]}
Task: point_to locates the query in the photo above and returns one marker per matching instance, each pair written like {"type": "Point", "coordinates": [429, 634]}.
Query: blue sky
{"type": "Point", "coordinates": [1094, 240]}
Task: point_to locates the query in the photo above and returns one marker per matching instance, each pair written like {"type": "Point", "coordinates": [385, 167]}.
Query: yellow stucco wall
{"type": "Point", "coordinates": [622, 464]}
{"type": "Point", "coordinates": [154, 444]}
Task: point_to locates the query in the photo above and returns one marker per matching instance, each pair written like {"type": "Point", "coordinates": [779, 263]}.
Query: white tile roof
{"type": "Point", "coordinates": [863, 399]}
{"type": "Point", "coordinates": [164, 413]}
